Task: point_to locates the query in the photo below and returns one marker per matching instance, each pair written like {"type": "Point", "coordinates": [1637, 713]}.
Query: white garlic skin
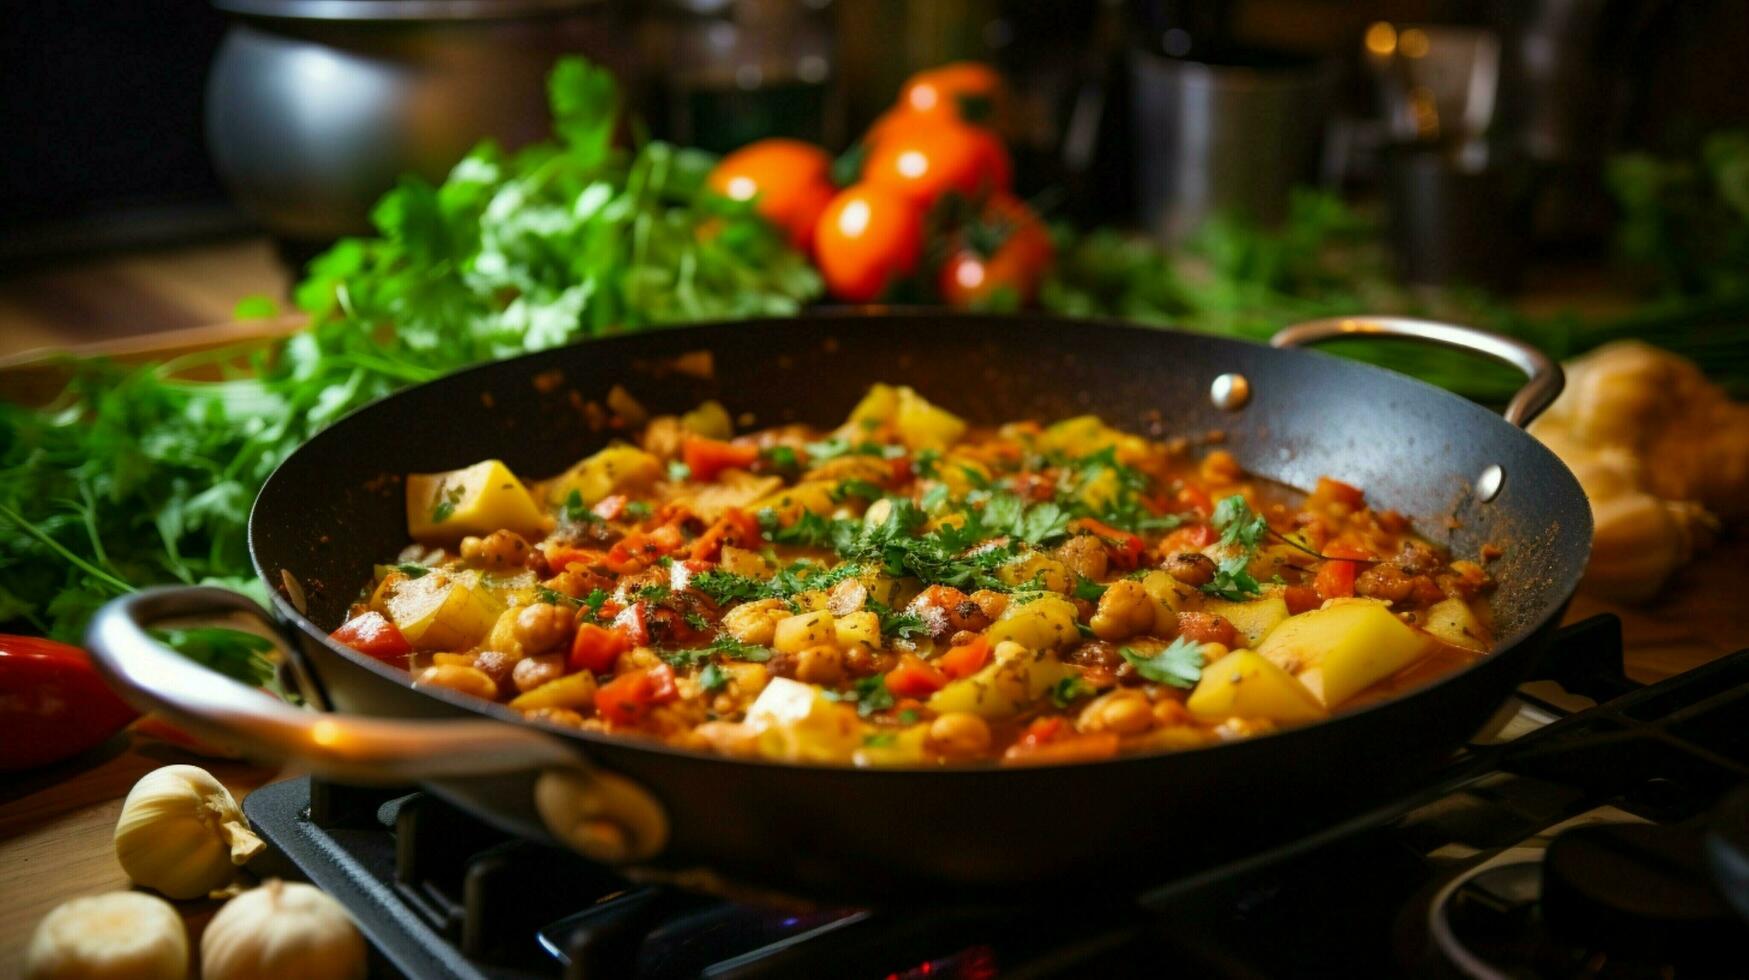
{"type": "Point", "coordinates": [182, 833]}
{"type": "Point", "coordinates": [282, 931]}
{"type": "Point", "coordinates": [124, 935]}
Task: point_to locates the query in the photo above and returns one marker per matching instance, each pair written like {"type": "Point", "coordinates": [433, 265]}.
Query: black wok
{"type": "Point", "coordinates": [336, 506]}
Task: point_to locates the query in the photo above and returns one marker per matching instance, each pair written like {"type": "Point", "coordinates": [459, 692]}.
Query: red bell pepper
{"type": "Point", "coordinates": [1335, 578]}
{"type": "Point", "coordinates": [1191, 538]}
{"type": "Point", "coordinates": [1339, 492]}
{"type": "Point", "coordinates": [374, 636]}
{"type": "Point", "coordinates": [626, 699]}
{"type": "Point", "coordinates": [634, 622]}
{"type": "Point", "coordinates": [708, 457]}
{"type": "Point", "coordinates": [53, 704]}
{"type": "Point", "coordinates": [596, 649]}
{"type": "Point", "coordinates": [913, 678]}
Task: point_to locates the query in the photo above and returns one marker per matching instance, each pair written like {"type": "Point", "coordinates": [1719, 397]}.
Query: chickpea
{"type": "Point", "coordinates": [1125, 610]}
{"type": "Point", "coordinates": [1169, 713]}
{"type": "Point", "coordinates": [1085, 555]}
{"type": "Point", "coordinates": [1124, 711]}
{"type": "Point", "coordinates": [500, 549]}
{"type": "Point", "coordinates": [820, 665]}
{"type": "Point", "coordinates": [468, 680]}
{"type": "Point", "coordinates": [860, 661]}
{"type": "Point", "coordinates": [846, 597]}
{"type": "Point", "coordinates": [959, 735]}
{"type": "Point", "coordinates": [993, 603]}
{"type": "Point", "coordinates": [531, 672]}
{"type": "Point", "coordinates": [1193, 568]}
{"type": "Point", "coordinates": [1386, 582]}
{"type": "Point", "coordinates": [542, 626]}
{"type": "Point", "coordinates": [564, 717]}
{"type": "Point", "coordinates": [755, 622]}
{"type": "Point", "coordinates": [497, 665]}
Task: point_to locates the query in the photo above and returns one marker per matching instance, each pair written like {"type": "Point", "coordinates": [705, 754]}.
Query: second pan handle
{"type": "Point", "coordinates": [1544, 378]}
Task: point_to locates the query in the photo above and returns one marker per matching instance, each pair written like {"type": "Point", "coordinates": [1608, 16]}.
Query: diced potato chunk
{"type": "Point", "coordinates": [810, 629]}
{"type": "Point", "coordinates": [1044, 623]}
{"type": "Point", "coordinates": [796, 722]}
{"type": "Point", "coordinates": [709, 419]}
{"type": "Point", "coordinates": [901, 748]}
{"type": "Point", "coordinates": [1452, 621]}
{"type": "Point", "coordinates": [1037, 569]}
{"type": "Point", "coordinates": [809, 495]}
{"type": "Point", "coordinates": [861, 628]}
{"type": "Point", "coordinates": [1255, 619]}
{"type": "Point", "coordinates": [1003, 688]}
{"type": "Point", "coordinates": [731, 488]}
{"type": "Point", "coordinates": [1245, 684]}
{"type": "Point", "coordinates": [441, 611]}
{"type": "Point", "coordinates": [1086, 434]}
{"type": "Point", "coordinates": [1170, 598]}
{"type": "Point", "coordinates": [616, 469]}
{"type": "Point", "coordinates": [570, 691]}
{"type": "Point", "coordinates": [442, 508]}
{"type": "Point", "coordinates": [918, 423]}
{"type": "Point", "coordinates": [1341, 649]}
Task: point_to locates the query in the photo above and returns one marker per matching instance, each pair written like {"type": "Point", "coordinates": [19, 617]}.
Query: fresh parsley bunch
{"type": "Point", "coordinates": [141, 476]}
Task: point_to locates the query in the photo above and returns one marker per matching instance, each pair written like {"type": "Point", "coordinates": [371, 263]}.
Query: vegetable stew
{"type": "Point", "coordinates": [909, 590]}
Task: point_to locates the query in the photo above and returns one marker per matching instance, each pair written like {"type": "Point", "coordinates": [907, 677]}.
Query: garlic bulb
{"type": "Point", "coordinates": [126, 935]}
{"type": "Point", "coordinates": [181, 833]}
{"type": "Point", "coordinates": [282, 931]}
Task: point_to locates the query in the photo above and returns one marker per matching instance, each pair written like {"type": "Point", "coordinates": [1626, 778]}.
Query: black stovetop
{"type": "Point", "coordinates": [1448, 882]}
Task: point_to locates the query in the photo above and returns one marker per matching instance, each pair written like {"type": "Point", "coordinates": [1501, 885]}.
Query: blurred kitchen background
{"type": "Point", "coordinates": [160, 160]}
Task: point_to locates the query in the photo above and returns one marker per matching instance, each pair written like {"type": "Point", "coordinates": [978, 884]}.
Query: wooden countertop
{"type": "Point", "coordinates": [56, 824]}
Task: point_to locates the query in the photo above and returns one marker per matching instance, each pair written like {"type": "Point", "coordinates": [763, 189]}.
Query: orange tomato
{"type": "Point", "coordinates": [867, 238]}
{"type": "Point", "coordinates": [1018, 261]}
{"type": "Point", "coordinates": [949, 89]}
{"type": "Point", "coordinates": [789, 182]}
{"type": "Point", "coordinates": [596, 649]}
{"type": "Point", "coordinates": [913, 678]}
{"type": "Point", "coordinates": [924, 157]}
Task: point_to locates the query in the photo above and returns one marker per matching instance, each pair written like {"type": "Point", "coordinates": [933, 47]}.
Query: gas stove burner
{"type": "Point", "coordinates": [1576, 847]}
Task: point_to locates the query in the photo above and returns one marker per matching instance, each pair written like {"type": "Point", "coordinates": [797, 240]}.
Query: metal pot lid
{"type": "Point", "coordinates": [400, 10]}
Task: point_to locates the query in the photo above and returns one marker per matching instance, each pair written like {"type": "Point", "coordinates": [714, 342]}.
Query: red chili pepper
{"type": "Point", "coordinates": [708, 457]}
{"type": "Point", "coordinates": [901, 470]}
{"type": "Point", "coordinates": [374, 636]}
{"type": "Point", "coordinates": [913, 678]}
{"type": "Point", "coordinates": [53, 704]}
{"type": "Point", "coordinates": [964, 661]}
{"type": "Point", "coordinates": [640, 549]}
{"type": "Point", "coordinates": [597, 648]}
{"type": "Point", "coordinates": [1041, 730]}
{"type": "Point", "coordinates": [634, 622]}
{"type": "Point", "coordinates": [1124, 549]}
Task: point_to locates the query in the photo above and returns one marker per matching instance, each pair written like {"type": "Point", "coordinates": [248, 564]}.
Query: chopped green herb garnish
{"type": "Point", "coordinates": [576, 512]}
{"type": "Point", "coordinates": [879, 740]}
{"type": "Point", "coordinates": [909, 716]}
{"type": "Point", "coordinates": [1179, 665]}
{"type": "Point", "coordinates": [713, 678]}
{"type": "Point", "coordinates": [1069, 689]}
{"type": "Point", "coordinates": [412, 569]}
{"type": "Point", "coordinates": [1086, 588]}
{"type": "Point", "coordinates": [1242, 531]}
{"type": "Point", "coordinates": [447, 499]}
{"type": "Point", "coordinates": [678, 472]}
{"type": "Point", "coordinates": [639, 509]}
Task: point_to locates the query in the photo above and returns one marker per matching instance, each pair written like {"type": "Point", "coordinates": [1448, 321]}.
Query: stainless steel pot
{"type": "Point", "coordinates": [316, 107]}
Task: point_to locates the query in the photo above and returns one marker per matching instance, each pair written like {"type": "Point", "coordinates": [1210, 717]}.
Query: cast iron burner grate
{"type": "Point", "coordinates": [441, 896]}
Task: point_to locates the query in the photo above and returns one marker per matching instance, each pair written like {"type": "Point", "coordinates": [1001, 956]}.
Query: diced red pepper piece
{"type": "Point", "coordinates": [1335, 579]}
{"type": "Point", "coordinates": [626, 699]}
{"type": "Point", "coordinates": [1191, 538]}
{"type": "Point", "coordinates": [662, 687]}
{"type": "Point", "coordinates": [596, 648]}
{"type": "Point", "coordinates": [736, 527]}
{"type": "Point", "coordinates": [913, 678]}
{"type": "Point", "coordinates": [1194, 498]}
{"type": "Point", "coordinates": [1301, 598]}
{"type": "Point", "coordinates": [965, 660]}
{"type": "Point", "coordinates": [374, 636]}
{"type": "Point", "coordinates": [1074, 748]}
{"type": "Point", "coordinates": [708, 457]}
{"type": "Point", "coordinates": [610, 507]}
{"type": "Point", "coordinates": [1339, 492]}
{"type": "Point", "coordinates": [634, 622]}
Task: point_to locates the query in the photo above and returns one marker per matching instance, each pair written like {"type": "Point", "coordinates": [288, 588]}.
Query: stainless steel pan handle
{"type": "Point", "coordinates": [601, 814]}
{"type": "Point", "coordinates": [1545, 379]}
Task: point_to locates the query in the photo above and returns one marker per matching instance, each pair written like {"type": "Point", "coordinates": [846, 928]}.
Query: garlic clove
{"type": "Point", "coordinates": [125, 935]}
{"type": "Point", "coordinates": [181, 833]}
{"type": "Point", "coordinates": [282, 931]}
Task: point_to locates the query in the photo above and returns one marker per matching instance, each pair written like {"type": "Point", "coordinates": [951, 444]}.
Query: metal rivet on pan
{"type": "Point", "coordinates": [1488, 484]}
{"type": "Point", "coordinates": [1230, 392]}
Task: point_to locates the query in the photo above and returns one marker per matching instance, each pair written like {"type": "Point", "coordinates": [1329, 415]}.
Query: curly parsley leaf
{"type": "Point", "coordinates": [1179, 665]}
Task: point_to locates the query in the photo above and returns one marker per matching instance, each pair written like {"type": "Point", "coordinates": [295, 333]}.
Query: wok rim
{"type": "Point", "coordinates": [1534, 628]}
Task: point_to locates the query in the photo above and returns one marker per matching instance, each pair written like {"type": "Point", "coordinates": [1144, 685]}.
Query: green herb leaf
{"type": "Point", "coordinates": [1179, 665]}
{"type": "Point", "coordinates": [713, 678]}
{"type": "Point", "coordinates": [1070, 689]}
